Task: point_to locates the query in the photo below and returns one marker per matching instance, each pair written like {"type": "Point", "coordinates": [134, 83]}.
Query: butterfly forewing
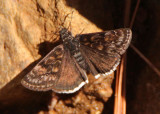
{"type": "Point", "coordinates": [46, 73]}
{"type": "Point", "coordinates": [113, 41]}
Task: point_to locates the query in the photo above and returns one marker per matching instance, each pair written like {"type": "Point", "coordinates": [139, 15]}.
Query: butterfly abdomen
{"type": "Point", "coordinates": [79, 58]}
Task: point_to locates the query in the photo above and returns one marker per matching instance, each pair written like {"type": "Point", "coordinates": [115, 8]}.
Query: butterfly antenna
{"type": "Point", "coordinates": [62, 24]}
{"type": "Point", "coordinates": [69, 27]}
{"type": "Point", "coordinates": [65, 17]}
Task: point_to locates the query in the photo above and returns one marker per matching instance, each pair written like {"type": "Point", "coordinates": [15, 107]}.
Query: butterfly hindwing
{"type": "Point", "coordinates": [103, 63]}
{"type": "Point", "coordinates": [103, 49]}
{"type": "Point", "coordinates": [71, 79]}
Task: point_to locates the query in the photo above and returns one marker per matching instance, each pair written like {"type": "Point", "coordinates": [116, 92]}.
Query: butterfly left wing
{"type": "Point", "coordinates": [72, 77]}
{"type": "Point", "coordinates": [58, 72]}
{"type": "Point", "coordinates": [103, 49]}
{"type": "Point", "coordinates": [46, 73]}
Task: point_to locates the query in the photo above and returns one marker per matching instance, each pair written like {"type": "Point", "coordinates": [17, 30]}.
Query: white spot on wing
{"type": "Point", "coordinates": [97, 76]}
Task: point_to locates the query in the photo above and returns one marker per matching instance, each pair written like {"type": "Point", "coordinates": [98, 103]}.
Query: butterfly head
{"type": "Point", "coordinates": [65, 34]}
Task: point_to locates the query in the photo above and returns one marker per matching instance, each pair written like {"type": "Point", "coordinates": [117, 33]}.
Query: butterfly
{"type": "Point", "coordinates": [65, 68]}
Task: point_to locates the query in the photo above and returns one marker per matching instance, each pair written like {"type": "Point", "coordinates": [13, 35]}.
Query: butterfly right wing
{"type": "Point", "coordinates": [112, 41]}
{"type": "Point", "coordinates": [104, 49]}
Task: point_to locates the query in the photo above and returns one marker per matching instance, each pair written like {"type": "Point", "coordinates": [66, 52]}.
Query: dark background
{"type": "Point", "coordinates": [142, 83]}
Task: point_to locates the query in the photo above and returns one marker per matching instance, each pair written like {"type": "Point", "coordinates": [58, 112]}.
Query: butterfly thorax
{"type": "Point", "coordinates": [72, 45]}
{"type": "Point", "coordinates": [69, 42]}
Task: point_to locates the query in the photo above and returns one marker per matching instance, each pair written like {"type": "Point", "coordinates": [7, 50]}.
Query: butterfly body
{"type": "Point", "coordinates": [73, 46]}
{"type": "Point", "coordinates": [64, 69]}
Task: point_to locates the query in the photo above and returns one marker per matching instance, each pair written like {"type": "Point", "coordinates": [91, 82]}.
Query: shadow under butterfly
{"type": "Point", "coordinates": [65, 68]}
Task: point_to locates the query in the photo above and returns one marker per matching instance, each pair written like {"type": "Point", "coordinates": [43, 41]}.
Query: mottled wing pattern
{"type": "Point", "coordinates": [113, 41]}
{"type": "Point", "coordinates": [46, 73]}
{"type": "Point", "coordinates": [99, 62]}
{"type": "Point", "coordinates": [103, 49]}
{"type": "Point", "coordinates": [57, 72]}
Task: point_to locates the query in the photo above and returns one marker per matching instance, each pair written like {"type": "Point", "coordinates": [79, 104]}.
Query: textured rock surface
{"type": "Point", "coordinates": [26, 30]}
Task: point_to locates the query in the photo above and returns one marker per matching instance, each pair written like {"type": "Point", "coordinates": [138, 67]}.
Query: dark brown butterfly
{"type": "Point", "coordinates": [65, 68]}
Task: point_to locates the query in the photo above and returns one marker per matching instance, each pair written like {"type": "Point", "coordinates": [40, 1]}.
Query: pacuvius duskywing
{"type": "Point", "coordinates": [64, 69]}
